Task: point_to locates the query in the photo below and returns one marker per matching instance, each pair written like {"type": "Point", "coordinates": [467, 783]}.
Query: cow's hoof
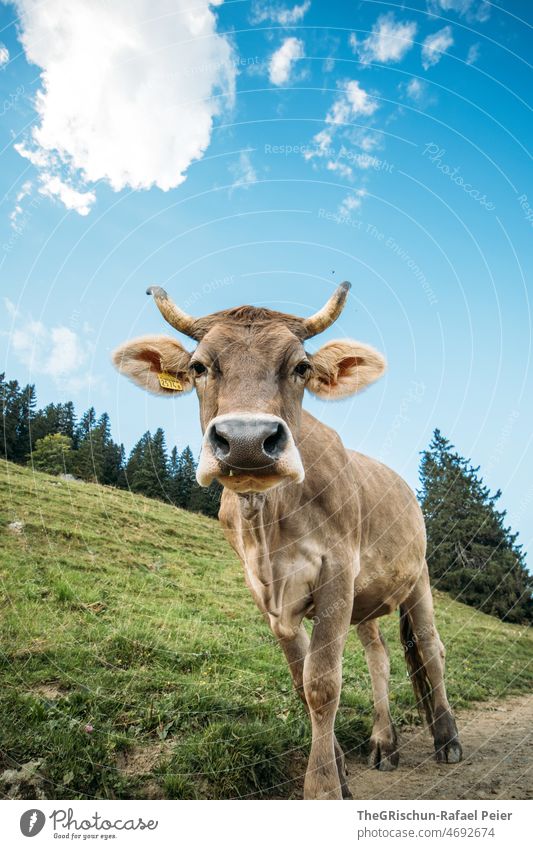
{"type": "Point", "coordinates": [383, 756]}
{"type": "Point", "coordinates": [346, 792]}
{"type": "Point", "coordinates": [449, 753]}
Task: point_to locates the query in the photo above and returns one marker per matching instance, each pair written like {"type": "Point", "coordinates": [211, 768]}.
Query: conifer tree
{"type": "Point", "coordinates": [471, 552]}
{"type": "Point", "coordinates": [174, 476]}
{"type": "Point", "coordinates": [159, 463]}
{"type": "Point", "coordinates": [88, 461]}
{"type": "Point", "coordinates": [147, 468]}
{"type": "Point", "coordinates": [67, 421]}
{"type": "Point", "coordinates": [86, 424]}
{"type": "Point", "coordinates": [45, 422]}
{"type": "Point", "coordinates": [112, 455]}
{"type": "Point", "coordinates": [187, 479]}
{"type": "Point", "coordinates": [17, 408]}
{"type": "Point", "coordinates": [26, 404]}
{"type": "Point", "coordinates": [135, 460]}
{"type": "Point", "coordinates": [9, 392]}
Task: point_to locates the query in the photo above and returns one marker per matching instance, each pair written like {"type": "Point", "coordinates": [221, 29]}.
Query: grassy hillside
{"type": "Point", "coordinates": [134, 662]}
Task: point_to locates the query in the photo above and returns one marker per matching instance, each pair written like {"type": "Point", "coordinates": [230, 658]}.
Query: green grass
{"type": "Point", "coordinates": [129, 616]}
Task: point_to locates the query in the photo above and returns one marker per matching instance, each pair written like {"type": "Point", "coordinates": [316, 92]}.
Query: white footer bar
{"type": "Point", "coordinates": [268, 824]}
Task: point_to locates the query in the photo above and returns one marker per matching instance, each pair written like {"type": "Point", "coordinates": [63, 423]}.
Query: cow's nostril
{"type": "Point", "coordinates": [275, 443]}
{"type": "Point", "coordinates": [220, 443]}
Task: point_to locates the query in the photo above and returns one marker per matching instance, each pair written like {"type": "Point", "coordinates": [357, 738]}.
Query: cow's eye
{"type": "Point", "coordinates": [198, 367]}
{"type": "Point", "coordinates": [302, 368]}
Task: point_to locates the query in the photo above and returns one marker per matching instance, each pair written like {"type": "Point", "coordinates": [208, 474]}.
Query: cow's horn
{"type": "Point", "coordinates": [182, 321]}
{"type": "Point", "coordinates": [329, 313]}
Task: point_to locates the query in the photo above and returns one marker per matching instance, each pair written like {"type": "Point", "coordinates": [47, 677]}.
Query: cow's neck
{"type": "Point", "coordinates": [260, 517]}
{"type": "Point", "coordinates": [271, 571]}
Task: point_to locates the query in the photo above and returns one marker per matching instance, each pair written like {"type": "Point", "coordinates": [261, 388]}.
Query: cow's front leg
{"type": "Point", "coordinates": [322, 681]}
{"type": "Point", "coordinates": [295, 651]}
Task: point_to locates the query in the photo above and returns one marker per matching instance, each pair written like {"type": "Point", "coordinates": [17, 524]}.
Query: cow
{"type": "Point", "coordinates": [323, 533]}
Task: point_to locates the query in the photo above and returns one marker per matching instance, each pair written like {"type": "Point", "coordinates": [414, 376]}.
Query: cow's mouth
{"type": "Point", "coordinates": [247, 482]}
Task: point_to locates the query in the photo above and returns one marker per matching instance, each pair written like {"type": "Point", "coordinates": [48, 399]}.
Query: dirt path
{"type": "Point", "coordinates": [497, 739]}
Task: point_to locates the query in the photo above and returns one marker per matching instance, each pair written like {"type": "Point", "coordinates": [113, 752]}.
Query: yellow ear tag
{"type": "Point", "coordinates": [169, 381]}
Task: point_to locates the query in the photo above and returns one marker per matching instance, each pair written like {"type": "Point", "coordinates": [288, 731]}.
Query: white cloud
{"type": "Point", "coordinates": [361, 103]}
{"type": "Point", "coordinates": [347, 159]}
{"type": "Point", "coordinates": [51, 184]}
{"type": "Point", "coordinates": [54, 186]}
{"type": "Point", "coordinates": [369, 142]}
{"type": "Point", "coordinates": [351, 202]}
{"type": "Point", "coordinates": [39, 158]}
{"type": "Point", "coordinates": [415, 89]}
{"type": "Point", "coordinates": [340, 168]}
{"type": "Point", "coordinates": [389, 40]}
{"type": "Point", "coordinates": [243, 172]}
{"type": "Point", "coordinates": [282, 61]}
{"type": "Point", "coordinates": [4, 55]}
{"type": "Point", "coordinates": [10, 308]}
{"type": "Point", "coordinates": [322, 142]}
{"type": "Point", "coordinates": [128, 91]}
{"type": "Point", "coordinates": [281, 15]}
{"type": "Point", "coordinates": [471, 9]}
{"type": "Point", "coordinates": [58, 352]}
{"type": "Point", "coordinates": [473, 54]}
{"type": "Point", "coordinates": [18, 209]}
{"type": "Point", "coordinates": [435, 45]}
{"type": "Point", "coordinates": [351, 103]}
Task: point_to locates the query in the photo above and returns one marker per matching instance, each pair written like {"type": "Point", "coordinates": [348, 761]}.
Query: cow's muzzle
{"type": "Point", "coordinates": [249, 452]}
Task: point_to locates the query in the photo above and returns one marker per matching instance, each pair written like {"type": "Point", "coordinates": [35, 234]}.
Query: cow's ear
{"type": "Point", "coordinates": [343, 368]}
{"type": "Point", "coordinates": [156, 363]}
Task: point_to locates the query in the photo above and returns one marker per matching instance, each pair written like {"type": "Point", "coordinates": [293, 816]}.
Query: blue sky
{"type": "Point", "coordinates": [260, 152]}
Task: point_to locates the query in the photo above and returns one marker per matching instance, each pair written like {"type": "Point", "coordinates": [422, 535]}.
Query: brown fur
{"type": "Point", "coordinates": [246, 316]}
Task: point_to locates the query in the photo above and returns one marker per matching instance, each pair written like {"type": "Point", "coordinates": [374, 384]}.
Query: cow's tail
{"type": "Point", "coordinates": [415, 665]}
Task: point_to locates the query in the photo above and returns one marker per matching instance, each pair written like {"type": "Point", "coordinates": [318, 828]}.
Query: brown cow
{"type": "Point", "coordinates": [323, 533]}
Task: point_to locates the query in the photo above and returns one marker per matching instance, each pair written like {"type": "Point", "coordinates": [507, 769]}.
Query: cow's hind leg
{"type": "Point", "coordinates": [383, 742]}
{"type": "Point", "coordinates": [295, 651]}
{"type": "Point", "coordinates": [425, 655]}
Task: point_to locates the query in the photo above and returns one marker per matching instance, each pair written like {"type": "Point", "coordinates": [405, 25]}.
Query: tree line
{"type": "Point", "coordinates": [54, 440]}
{"type": "Point", "coordinates": [472, 554]}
